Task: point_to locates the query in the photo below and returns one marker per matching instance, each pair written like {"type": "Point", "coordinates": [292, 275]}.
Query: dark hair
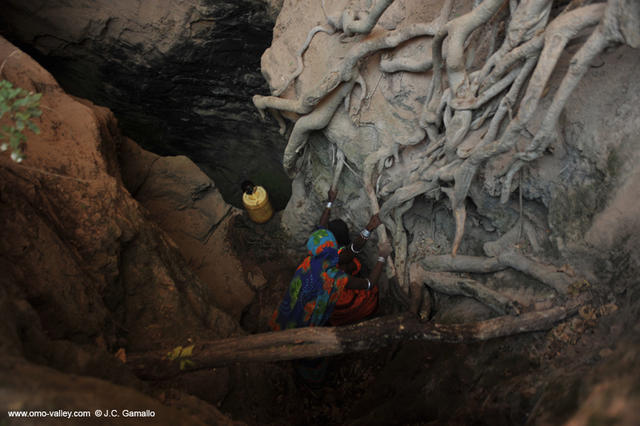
{"type": "Point", "coordinates": [247, 186]}
{"type": "Point", "coordinates": [340, 230]}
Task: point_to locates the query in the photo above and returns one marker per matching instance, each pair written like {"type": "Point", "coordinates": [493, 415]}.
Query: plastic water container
{"type": "Point", "coordinates": [257, 204]}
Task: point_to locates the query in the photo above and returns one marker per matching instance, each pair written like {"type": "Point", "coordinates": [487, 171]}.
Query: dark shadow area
{"type": "Point", "coordinates": [193, 100]}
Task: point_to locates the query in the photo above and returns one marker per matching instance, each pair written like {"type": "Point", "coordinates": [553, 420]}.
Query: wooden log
{"type": "Point", "coordinates": [326, 341]}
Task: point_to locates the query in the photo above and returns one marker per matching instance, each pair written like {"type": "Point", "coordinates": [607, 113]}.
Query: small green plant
{"type": "Point", "coordinates": [20, 106]}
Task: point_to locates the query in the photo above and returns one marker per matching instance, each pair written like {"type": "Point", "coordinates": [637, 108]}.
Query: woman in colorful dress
{"type": "Point", "coordinates": [320, 282]}
{"type": "Point", "coordinates": [322, 293]}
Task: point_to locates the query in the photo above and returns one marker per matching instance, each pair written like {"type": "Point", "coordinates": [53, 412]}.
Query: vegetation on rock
{"type": "Point", "coordinates": [20, 107]}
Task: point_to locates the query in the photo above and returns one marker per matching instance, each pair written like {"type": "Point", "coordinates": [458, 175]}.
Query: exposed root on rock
{"type": "Point", "coordinates": [318, 119]}
{"type": "Point", "coordinates": [471, 264]}
{"type": "Point", "coordinates": [471, 113]}
{"type": "Point", "coordinates": [299, 53]}
{"type": "Point", "coordinates": [546, 274]}
{"type": "Point", "coordinates": [436, 272]}
{"type": "Point", "coordinates": [607, 33]}
{"type": "Point", "coordinates": [356, 21]}
{"type": "Point", "coordinates": [454, 285]}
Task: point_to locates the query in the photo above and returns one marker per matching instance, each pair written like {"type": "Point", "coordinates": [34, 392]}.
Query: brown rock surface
{"type": "Point", "coordinates": [84, 269]}
{"type": "Point", "coordinates": [28, 387]}
{"type": "Point", "coordinates": [186, 204]}
{"type": "Point", "coordinates": [68, 197]}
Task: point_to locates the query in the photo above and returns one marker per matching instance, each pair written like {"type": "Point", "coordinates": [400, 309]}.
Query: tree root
{"type": "Point", "coordinates": [299, 54]}
{"type": "Point", "coordinates": [526, 51]}
{"type": "Point", "coordinates": [458, 30]}
{"type": "Point", "coordinates": [344, 71]}
{"type": "Point", "coordinates": [546, 274]}
{"type": "Point", "coordinates": [563, 27]}
{"type": "Point", "coordinates": [557, 38]}
{"type": "Point", "coordinates": [456, 131]}
{"type": "Point", "coordinates": [339, 164]}
{"type": "Point", "coordinates": [509, 240]}
{"type": "Point", "coordinates": [454, 285]}
{"type": "Point", "coordinates": [529, 18]}
{"type": "Point", "coordinates": [405, 194]}
{"type": "Point", "coordinates": [487, 95]}
{"type": "Point", "coordinates": [312, 342]}
{"type": "Point", "coordinates": [471, 264]}
{"type": "Point", "coordinates": [351, 21]}
{"type": "Point", "coordinates": [318, 119]}
{"type": "Point", "coordinates": [459, 214]}
{"type": "Point", "coordinates": [390, 64]}
{"type": "Point", "coordinates": [353, 111]}
{"type": "Point", "coordinates": [606, 34]}
{"type": "Point", "coordinates": [410, 64]}
{"type": "Point", "coordinates": [509, 100]}
{"type": "Point", "coordinates": [362, 22]}
{"type": "Point", "coordinates": [400, 244]}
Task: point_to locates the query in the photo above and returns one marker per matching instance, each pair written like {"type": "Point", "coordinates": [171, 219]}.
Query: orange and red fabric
{"type": "Point", "coordinates": [315, 288]}
{"type": "Point", "coordinates": [354, 305]}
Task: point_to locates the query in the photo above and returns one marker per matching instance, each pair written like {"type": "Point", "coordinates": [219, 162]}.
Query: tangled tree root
{"type": "Point", "coordinates": [437, 273]}
{"type": "Point", "coordinates": [453, 285]}
{"type": "Point", "coordinates": [504, 91]}
{"type": "Point", "coordinates": [318, 119]}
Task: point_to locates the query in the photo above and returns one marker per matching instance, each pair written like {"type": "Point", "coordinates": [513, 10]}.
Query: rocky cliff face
{"type": "Point", "coordinates": [85, 271]}
{"type": "Point", "coordinates": [179, 75]}
{"type": "Point", "coordinates": [187, 204]}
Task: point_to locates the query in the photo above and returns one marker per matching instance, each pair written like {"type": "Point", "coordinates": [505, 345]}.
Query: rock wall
{"type": "Point", "coordinates": [30, 387]}
{"type": "Point", "coordinates": [187, 204]}
{"type": "Point", "coordinates": [178, 75]}
{"type": "Point", "coordinates": [566, 206]}
{"type": "Point", "coordinates": [85, 272]}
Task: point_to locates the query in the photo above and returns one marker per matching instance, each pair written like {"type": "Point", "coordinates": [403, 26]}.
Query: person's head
{"type": "Point", "coordinates": [341, 231]}
{"type": "Point", "coordinates": [322, 243]}
{"type": "Point", "coordinates": [247, 187]}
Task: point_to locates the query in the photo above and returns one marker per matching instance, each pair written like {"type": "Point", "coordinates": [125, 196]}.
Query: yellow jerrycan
{"type": "Point", "coordinates": [256, 200]}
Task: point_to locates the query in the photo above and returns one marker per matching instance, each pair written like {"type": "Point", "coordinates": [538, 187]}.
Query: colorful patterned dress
{"type": "Point", "coordinates": [354, 305]}
{"type": "Point", "coordinates": [315, 288]}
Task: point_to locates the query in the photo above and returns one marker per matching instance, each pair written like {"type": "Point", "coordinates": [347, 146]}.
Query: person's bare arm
{"type": "Point", "coordinates": [356, 283]}
{"type": "Point", "coordinates": [346, 256]}
{"type": "Point", "coordinates": [324, 219]}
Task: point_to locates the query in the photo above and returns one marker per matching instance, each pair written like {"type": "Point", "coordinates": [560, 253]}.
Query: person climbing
{"type": "Point", "coordinates": [321, 291]}
{"type": "Point", "coordinates": [353, 305]}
